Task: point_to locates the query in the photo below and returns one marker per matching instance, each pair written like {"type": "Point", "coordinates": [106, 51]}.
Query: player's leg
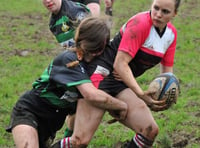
{"type": "Point", "coordinates": [34, 123]}
{"type": "Point", "coordinates": [23, 125]}
{"type": "Point", "coordinates": [70, 119]}
{"type": "Point", "coordinates": [139, 119]}
{"type": "Point", "coordinates": [25, 136]}
{"type": "Point", "coordinates": [87, 120]}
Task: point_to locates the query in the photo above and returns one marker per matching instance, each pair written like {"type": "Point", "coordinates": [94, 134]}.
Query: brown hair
{"type": "Point", "coordinates": [92, 34]}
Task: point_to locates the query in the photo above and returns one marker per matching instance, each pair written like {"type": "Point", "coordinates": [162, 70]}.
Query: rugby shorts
{"type": "Point", "coordinates": [36, 112]}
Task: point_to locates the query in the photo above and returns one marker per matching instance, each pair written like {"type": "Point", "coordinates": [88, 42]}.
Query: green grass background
{"type": "Point", "coordinates": [24, 30]}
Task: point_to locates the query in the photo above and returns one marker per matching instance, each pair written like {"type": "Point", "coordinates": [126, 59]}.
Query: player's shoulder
{"type": "Point", "coordinates": [140, 22]}
{"type": "Point", "coordinates": [75, 11]}
{"type": "Point", "coordinates": [69, 54]}
{"type": "Point", "coordinates": [74, 7]}
{"type": "Point", "coordinates": [66, 56]}
{"type": "Point", "coordinates": [141, 16]}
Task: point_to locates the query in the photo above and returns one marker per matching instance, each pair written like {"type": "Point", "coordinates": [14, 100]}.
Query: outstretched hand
{"type": "Point", "coordinates": [116, 75]}
{"type": "Point", "coordinates": [116, 116]}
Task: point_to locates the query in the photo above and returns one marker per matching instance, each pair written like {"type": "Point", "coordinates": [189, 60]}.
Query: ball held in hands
{"type": "Point", "coordinates": [165, 86]}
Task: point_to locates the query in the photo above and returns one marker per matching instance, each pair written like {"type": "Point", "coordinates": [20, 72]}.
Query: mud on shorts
{"type": "Point", "coordinates": [34, 111]}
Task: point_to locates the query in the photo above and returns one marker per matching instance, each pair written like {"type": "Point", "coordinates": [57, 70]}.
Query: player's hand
{"type": "Point", "coordinates": [118, 115]}
{"type": "Point", "coordinates": [154, 105]}
{"type": "Point", "coordinates": [116, 75]}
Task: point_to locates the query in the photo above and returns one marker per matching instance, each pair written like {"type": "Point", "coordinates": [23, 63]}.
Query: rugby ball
{"type": "Point", "coordinates": [166, 86]}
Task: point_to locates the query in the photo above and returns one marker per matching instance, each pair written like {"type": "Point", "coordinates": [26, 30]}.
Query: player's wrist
{"type": "Point", "coordinates": [140, 94]}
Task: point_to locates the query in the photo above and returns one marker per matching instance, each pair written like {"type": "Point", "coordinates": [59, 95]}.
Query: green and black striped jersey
{"type": "Point", "coordinates": [58, 82]}
{"type": "Point", "coordinates": [63, 24]}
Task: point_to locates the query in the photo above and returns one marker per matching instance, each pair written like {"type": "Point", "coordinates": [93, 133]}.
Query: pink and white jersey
{"type": "Point", "coordinates": [141, 40]}
{"type": "Point", "coordinates": [139, 37]}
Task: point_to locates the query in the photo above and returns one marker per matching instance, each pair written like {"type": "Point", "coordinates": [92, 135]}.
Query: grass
{"type": "Point", "coordinates": [24, 27]}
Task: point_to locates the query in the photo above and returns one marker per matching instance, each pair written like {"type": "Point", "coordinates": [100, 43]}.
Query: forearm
{"type": "Point", "coordinates": [121, 66]}
{"type": "Point", "coordinates": [127, 77]}
{"type": "Point", "coordinates": [104, 101]}
{"type": "Point", "coordinates": [100, 99]}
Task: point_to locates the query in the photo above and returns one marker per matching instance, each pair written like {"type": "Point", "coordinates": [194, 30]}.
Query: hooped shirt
{"type": "Point", "coordinates": [58, 82]}
{"type": "Point", "coordinates": [141, 40]}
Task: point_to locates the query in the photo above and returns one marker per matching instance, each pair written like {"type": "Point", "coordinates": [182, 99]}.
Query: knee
{"type": "Point", "coordinates": [151, 131]}
{"type": "Point", "coordinates": [148, 136]}
{"type": "Point", "coordinates": [150, 128]}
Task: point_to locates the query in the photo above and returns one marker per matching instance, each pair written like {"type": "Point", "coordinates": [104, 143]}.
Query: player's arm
{"type": "Point", "coordinates": [102, 100]}
{"type": "Point", "coordinates": [122, 68]}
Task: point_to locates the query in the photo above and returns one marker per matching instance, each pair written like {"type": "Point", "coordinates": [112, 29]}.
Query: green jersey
{"type": "Point", "coordinates": [58, 82]}
{"type": "Point", "coordinates": [63, 24]}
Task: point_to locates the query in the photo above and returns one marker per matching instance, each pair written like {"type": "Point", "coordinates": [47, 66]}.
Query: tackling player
{"type": "Point", "coordinates": [40, 112]}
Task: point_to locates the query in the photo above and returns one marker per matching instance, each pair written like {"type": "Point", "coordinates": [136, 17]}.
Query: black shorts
{"type": "Point", "coordinates": [36, 112]}
{"type": "Point", "coordinates": [85, 2]}
{"type": "Point", "coordinates": [110, 85]}
{"type": "Point", "coordinates": [100, 71]}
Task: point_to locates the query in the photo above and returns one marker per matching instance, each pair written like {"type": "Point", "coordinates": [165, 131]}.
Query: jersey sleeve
{"type": "Point", "coordinates": [133, 34]}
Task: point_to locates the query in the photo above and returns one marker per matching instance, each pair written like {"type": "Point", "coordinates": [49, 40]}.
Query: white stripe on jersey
{"type": "Point", "coordinates": [159, 44]}
{"type": "Point", "coordinates": [101, 70]}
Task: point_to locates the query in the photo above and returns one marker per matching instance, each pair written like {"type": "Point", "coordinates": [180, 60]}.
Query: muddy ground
{"type": "Point", "coordinates": [180, 138]}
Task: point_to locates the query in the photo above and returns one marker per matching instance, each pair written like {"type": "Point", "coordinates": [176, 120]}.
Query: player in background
{"type": "Point", "coordinates": [109, 7]}
{"type": "Point", "coordinates": [65, 16]}
{"type": "Point", "coordinates": [145, 40]}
